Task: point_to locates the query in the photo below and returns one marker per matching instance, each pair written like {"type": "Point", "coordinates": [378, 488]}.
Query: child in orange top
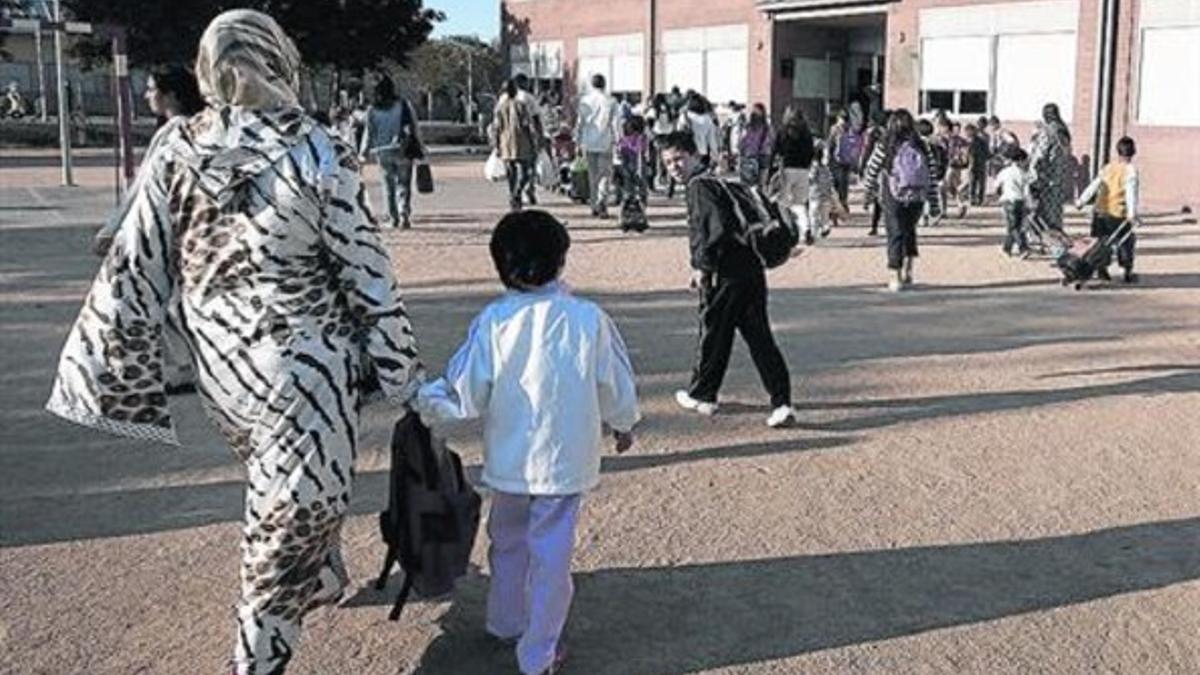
{"type": "Point", "coordinates": [1115, 191]}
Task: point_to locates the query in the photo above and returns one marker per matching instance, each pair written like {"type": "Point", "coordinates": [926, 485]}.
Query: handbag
{"type": "Point", "coordinates": [424, 178]}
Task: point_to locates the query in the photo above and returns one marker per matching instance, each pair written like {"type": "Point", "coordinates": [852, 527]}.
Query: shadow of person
{"type": "Point", "coordinates": [688, 618]}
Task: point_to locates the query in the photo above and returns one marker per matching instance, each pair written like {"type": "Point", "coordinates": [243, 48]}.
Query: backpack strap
{"type": "Point", "coordinates": [737, 208]}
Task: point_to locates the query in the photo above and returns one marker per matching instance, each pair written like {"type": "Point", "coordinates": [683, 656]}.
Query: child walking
{"type": "Point", "coordinates": [1014, 181]}
{"type": "Point", "coordinates": [935, 205]}
{"type": "Point", "coordinates": [979, 154]}
{"type": "Point", "coordinates": [547, 371]}
{"type": "Point", "coordinates": [823, 202]}
{"type": "Point", "coordinates": [1115, 192]}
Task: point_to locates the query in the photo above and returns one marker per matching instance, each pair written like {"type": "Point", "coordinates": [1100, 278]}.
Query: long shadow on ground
{"type": "Point", "coordinates": [76, 517]}
{"type": "Point", "coordinates": [697, 617]}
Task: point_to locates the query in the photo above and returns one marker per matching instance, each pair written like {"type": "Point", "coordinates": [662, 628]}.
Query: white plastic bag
{"type": "Point", "coordinates": [494, 169]}
{"type": "Point", "coordinates": [547, 172]}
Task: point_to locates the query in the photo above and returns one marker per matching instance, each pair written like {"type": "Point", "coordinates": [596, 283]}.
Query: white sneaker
{"type": "Point", "coordinates": [782, 416]}
{"type": "Point", "coordinates": [895, 285]}
{"type": "Point", "coordinates": [686, 402]}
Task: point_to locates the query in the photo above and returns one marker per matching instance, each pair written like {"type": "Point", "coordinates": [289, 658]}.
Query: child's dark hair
{"type": "Point", "coordinates": [1018, 155]}
{"type": "Point", "coordinates": [635, 125]}
{"type": "Point", "coordinates": [529, 249]}
{"type": "Point", "coordinates": [924, 127]}
{"type": "Point", "coordinates": [681, 141]}
{"type": "Point", "coordinates": [1126, 147]}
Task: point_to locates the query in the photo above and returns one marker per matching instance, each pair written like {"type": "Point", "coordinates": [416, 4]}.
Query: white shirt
{"type": "Point", "coordinates": [1014, 184]}
{"type": "Point", "coordinates": [535, 108]}
{"type": "Point", "coordinates": [704, 130]}
{"type": "Point", "coordinates": [545, 369]}
{"type": "Point", "coordinates": [662, 122]}
{"type": "Point", "coordinates": [595, 124]}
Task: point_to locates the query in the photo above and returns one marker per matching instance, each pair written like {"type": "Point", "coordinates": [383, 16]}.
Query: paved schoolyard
{"type": "Point", "coordinates": [992, 475]}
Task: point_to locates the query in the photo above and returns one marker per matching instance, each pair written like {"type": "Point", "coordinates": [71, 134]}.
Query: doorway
{"type": "Point", "coordinates": [830, 62]}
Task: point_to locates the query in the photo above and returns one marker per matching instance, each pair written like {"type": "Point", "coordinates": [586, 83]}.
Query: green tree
{"type": "Point", "coordinates": [443, 68]}
{"type": "Point", "coordinates": [343, 34]}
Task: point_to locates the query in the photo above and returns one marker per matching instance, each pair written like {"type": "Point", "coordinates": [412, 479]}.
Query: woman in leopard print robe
{"type": "Point", "coordinates": [251, 233]}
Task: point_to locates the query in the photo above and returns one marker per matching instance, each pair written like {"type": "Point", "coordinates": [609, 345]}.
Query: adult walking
{"type": "Point", "coordinates": [172, 96]}
{"type": "Point", "coordinates": [391, 137]}
{"type": "Point", "coordinates": [697, 119]}
{"type": "Point", "coordinates": [537, 111]}
{"type": "Point", "coordinates": [793, 152]}
{"type": "Point", "coordinates": [516, 134]}
{"type": "Point", "coordinates": [754, 146]}
{"type": "Point", "coordinates": [899, 174]}
{"type": "Point", "coordinates": [661, 119]}
{"type": "Point", "coordinates": [1050, 160]}
{"type": "Point", "coordinates": [596, 132]}
{"type": "Point", "coordinates": [732, 285]}
{"type": "Point", "coordinates": [290, 309]}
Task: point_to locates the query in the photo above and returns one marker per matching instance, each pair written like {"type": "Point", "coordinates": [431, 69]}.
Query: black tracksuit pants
{"type": "Point", "coordinates": [737, 305]}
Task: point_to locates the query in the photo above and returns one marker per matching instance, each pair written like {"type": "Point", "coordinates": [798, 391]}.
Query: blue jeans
{"type": "Point", "coordinates": [521, 175]}
{"type": "Point", "coordinates": [1014, 214]}
{"type": "Point", "coordinates": [397, 185]}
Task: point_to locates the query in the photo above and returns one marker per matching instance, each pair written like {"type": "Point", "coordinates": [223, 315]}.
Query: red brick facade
{"type": "Point", "coordinates": [1169, 156]}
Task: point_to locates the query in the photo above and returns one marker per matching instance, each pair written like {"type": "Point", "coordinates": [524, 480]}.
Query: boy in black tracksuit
{"type": "Point", "coordinates": [733, 290]}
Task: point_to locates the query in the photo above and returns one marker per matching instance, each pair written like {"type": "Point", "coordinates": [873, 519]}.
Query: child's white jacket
{"type": "Point", "coordinates": [545, 369]}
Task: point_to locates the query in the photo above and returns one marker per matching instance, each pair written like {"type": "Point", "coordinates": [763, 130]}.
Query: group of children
{"type": "Point", "coordinates": [539, 343]}
{"type": "Point", "coordinates": [1113, 194]}
{"type": "Point", "coordinates": [969, 158]}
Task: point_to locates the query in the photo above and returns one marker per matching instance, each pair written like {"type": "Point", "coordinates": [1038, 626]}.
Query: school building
{"type": "Point", "coordinates": [1114, 67]}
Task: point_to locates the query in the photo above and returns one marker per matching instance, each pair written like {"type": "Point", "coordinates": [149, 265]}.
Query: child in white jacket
{"type": "Point", "coordinates": [547, 371]}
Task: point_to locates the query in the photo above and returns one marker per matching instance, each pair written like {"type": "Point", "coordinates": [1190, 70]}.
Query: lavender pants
{"type": "Point", "coordinates": [530, 555]}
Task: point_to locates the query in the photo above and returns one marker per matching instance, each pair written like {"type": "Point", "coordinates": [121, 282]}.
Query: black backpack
{"type": "Point", "coordinates": [768, 230]}
{"type": "Point", "coordinates": [432, 515]}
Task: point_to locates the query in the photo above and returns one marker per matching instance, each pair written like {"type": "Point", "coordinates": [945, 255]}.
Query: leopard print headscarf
{"type": "Point", "coordinates": [245, 59]}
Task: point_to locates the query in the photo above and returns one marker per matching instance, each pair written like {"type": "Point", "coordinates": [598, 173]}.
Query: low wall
{"type": "Point", "coordinates": [100, 132]}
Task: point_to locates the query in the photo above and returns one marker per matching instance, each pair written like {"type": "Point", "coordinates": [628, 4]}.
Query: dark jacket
{"type": "Point", "coordinates": [794, 149]}
{"type": "Point", "coordinates": [713, 232]}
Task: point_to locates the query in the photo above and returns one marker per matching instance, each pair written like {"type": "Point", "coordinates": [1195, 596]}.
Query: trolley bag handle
{"type": "Point", "coordinates": [1124, 231]}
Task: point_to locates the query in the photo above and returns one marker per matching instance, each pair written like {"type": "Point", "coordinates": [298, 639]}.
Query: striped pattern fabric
{"type": "Point", "coordinates": [293, 318]}
{"type": "Point", "coordinates": [875, 177]}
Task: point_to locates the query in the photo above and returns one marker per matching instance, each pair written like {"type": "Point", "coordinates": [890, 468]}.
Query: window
{"type": "Point", "coordinates": [937, 99]}
{"type": "Point", "coordinates": [955, 74]}
{"type": "Point", "coordinates": [1007, 58]}
{"type": "Point", "coordinates": [972, 102]}
{"type": "Point", "coordinates": [726, 72]}
{"type": "Point", "coordinates": [617, 57]}
{"type": "Point", "coordinates": [955, 102]}
{"type": "Point", "coordinates": [817, 79]}
{"type": "Point", "coordinates": [685, 70]}
{"type": "Point", "coordinates": [627, 73]}
{"type": "Point", "coordinates": [1169, 57]}
{"type": "Point", "coordinates": [713, 60]}
{"type": "Point", "coordinates": [1033, 70]}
